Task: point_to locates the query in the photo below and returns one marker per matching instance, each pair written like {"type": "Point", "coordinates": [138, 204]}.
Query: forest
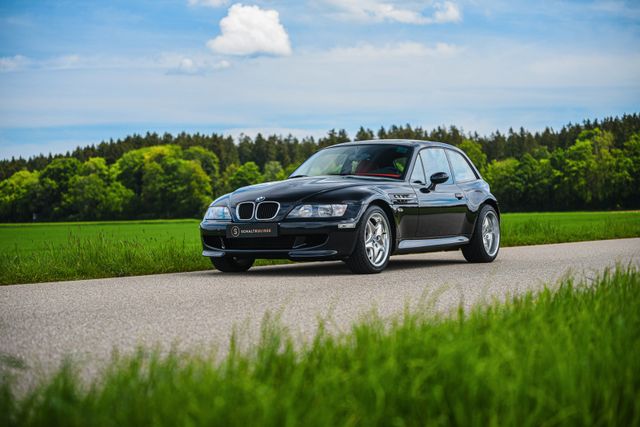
{"type": "Point", "coordinates": [591, 165]}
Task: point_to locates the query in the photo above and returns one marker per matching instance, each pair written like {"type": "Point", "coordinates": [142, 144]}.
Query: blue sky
{"type": "Point", "coordinates": [78, 72]}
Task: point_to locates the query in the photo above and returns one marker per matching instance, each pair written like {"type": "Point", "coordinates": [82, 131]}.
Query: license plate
{"type": "Point", "coordinates": [252, 230]}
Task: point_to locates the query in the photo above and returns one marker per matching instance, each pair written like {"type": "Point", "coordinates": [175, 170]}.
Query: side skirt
{"type": "Point", "coordinates": [431, 245]}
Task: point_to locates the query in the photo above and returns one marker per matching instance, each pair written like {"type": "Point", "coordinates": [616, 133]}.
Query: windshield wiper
{"type": "Point", "coordinates": [298, 176]}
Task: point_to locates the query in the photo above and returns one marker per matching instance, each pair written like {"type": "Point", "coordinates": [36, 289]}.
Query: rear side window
{"type": "Point", "coordinates": [461, 168]}
{"type": "Point", "coordinates": [435, 160]}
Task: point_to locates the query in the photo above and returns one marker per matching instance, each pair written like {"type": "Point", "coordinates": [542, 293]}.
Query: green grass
{"type": "Point", "coordinates": [66, 251]}
{"type": "Point", "coordinates": [27, 238]}
{"type": "Point", "coordinates": [557, 227]}
{"type": "Point", "coordinates": [563, 357]}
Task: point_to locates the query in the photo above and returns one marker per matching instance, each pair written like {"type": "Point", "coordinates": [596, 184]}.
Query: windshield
{"type": "Point", "coordinates": [389, 161]}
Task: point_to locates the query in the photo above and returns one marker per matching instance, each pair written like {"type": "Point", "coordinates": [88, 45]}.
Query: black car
{"type": "Point", "coordinates": [358, 202]}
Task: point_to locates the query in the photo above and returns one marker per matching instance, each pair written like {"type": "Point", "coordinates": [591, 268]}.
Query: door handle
{"type": "Point", "coordinates": [459, 196]}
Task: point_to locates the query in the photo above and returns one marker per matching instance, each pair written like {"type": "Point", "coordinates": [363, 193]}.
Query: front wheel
{"type": "Point", "coordinates": [373, 245]}
{"type": "Point", "coordinates": [230, 264]}
{"type": "Point", "coordinates": [485, 241]}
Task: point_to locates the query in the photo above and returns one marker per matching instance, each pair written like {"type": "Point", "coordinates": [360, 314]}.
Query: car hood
{"type": "Point", "coordinates": [296, 189]}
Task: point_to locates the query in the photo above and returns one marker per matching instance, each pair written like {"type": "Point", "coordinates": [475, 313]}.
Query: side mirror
{"type": "Point", "coordinates": [438, 178]}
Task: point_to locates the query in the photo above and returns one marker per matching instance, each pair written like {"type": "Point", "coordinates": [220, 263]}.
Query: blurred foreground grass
{"type": "Point", "coordinates": [567, 356]}
{"type": "Point", "coordinates": [67, 251]}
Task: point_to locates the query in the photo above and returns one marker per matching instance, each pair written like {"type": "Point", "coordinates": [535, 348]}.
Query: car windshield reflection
{"type": "Point", "coordinates": [373, 160]}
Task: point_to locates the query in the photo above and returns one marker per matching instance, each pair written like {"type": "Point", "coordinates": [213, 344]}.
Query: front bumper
{"type": "Point", "coordinates": [298, 241]}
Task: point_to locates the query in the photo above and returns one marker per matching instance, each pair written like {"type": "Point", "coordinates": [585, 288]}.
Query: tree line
{"type": "Point", "coordinates": [592, 165]}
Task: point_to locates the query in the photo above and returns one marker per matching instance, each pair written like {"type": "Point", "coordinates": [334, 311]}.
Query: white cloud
{"type": "Point", "coordinates": [377, 11]}
{"type": "Point", "coordinates": [188, 65]}
{"type": "Point", "coordinates": [13, 63]}
{"type": "Point", "coordinates": [65, 62]}
{"type": "Point", "coordinates": [395, 50]}
{"type": "Point", "coordinates": [482, 86]}
{"type": "Point", "coordinates": [222, 64]}
{"type": "Point", "coordinates": [207, 3]}
{"type": "Point", "coordinates": [248, 30]}
{"type": "Point", "coordinates": [390, 12]}
{"type": "Point", "coordinates": [447, 12]}
{"type": "Point", "coordinates": [169, 62]}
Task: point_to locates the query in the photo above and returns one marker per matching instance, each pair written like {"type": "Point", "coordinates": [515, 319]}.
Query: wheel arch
{"type": "Point", "coordinates": [491, 202]}
{"type": "Point", "coordinates": [476, 213]}
{"type": "Point", "coordinates": [390, 216]}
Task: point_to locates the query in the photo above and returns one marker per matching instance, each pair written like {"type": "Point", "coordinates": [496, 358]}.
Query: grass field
{"type": "Point", "coordinates": [521, 229]}
{"type": "Point", "coordinates": [65, 251]}
{"type": "Point", "coordinates": [562, 357]}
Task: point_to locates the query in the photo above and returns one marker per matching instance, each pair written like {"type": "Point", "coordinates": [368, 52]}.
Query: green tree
{"type": "Point", "coordinates": [475, 153]}
{"type": "Point", "coordinates": [604, 174]}
{"type": "Point", "coordinates": [209, 163]}
{"type": "Point", "coordinates": [247, 174]}
{"type": "Point", "coordinates": [95, 193]}
{"type": "Point", "coordinates": [333, 137]}
{"type": "Point", "coordinates": [130, 167]}
{"type": "Point", "coordinates": [90, 197]}
{"type": "Point", "coordinates": [53, 184]}
{"type": "Point", "coordinates": [364, 134]}
{"type": "Point", "coordinates": [590, 165]}
{"type": "Point", "coordinates": [578, 167]}
{"type": "Point", "coordinates": [129, 170]}
{"type": "Point", "coordinates": [594, 173]}
{"type": "Point", "coordinates": [621, 182]}
{"type": "Point", "coordinates": [632, 153]}
{"type": "Point", "coordinates": [175, 188]}
{"type": "Point", "coordinates": [264, 150]}
{"type": "Point", "coordinates": [97, 166]}
{"type": "Point", "coordinates": [167, 185]}
{"type": "Point", "coordinates": [538, 177]}
{"type": "Point", "coordinates": [245, 149]}
{"type": "Point", "coordinates": [226, 178]}
{"type": "Point", "coordinates": [505, 182]}
{"type": "Point", "coordinates": [273, 171]}
{"type": "Point", "coordinates": [17, 195]}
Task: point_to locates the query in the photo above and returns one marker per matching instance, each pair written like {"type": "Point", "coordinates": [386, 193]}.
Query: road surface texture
{"type": "Point", "coordinates": [42, 324]}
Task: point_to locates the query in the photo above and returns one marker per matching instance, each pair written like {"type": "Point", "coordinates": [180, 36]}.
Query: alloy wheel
{"type": "Point", "coordinates": [377, 239]}
{"type": "Point", "coordinates": [491, 233]}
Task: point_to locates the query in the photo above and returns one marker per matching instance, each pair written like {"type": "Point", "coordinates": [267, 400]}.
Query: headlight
{"type": "Point", "coordinates": [218, 213]}
{"type": "Point", "coordinates": [317, 211]}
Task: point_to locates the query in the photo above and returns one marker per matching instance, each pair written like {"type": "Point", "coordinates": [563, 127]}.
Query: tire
{"type": "Point", "coordinates": [229, 264]}
{"type": "Point", "coordinates": [485, 241]}
{"type": "Point", "coordinates": [373, 243]}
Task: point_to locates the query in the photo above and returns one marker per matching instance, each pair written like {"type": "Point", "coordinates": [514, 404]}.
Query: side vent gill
{"type": "Point", "coordinates": [404, 198]}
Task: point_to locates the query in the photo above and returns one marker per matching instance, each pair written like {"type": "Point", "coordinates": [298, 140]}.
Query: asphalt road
{"type": "Point", "coordinates": [43, 323]}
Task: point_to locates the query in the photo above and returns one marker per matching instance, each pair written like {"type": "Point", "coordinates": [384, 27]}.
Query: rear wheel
{"type": "Point", "coordinates": [230, 264]}
{"type": "Point", "coordinates": [485, 241]}
{"type": "Point", "coordinates": [373, 245]}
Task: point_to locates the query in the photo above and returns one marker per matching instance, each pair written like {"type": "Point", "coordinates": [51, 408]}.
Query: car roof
{"type": "Point", "coordinates": [407, 142]}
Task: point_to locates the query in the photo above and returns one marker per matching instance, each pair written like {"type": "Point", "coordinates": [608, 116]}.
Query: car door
{"type": "Point", "coordinates": [469, 183]}
{"type": "Point", "coordinates": [443, 209]}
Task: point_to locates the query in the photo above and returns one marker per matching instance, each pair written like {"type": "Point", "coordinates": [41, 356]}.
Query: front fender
{"type": "Point", "coordinates": [360, 195]}
{"type": "Point", "coordinates": [403, 218]}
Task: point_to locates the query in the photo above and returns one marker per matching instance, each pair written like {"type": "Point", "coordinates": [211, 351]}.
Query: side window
{"type": "Point", "coordinates": [418, 172]}
{"type": "Point", "coordinates": [435, 160]}
{"type": "Point", "coordinates": [461, 168]}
